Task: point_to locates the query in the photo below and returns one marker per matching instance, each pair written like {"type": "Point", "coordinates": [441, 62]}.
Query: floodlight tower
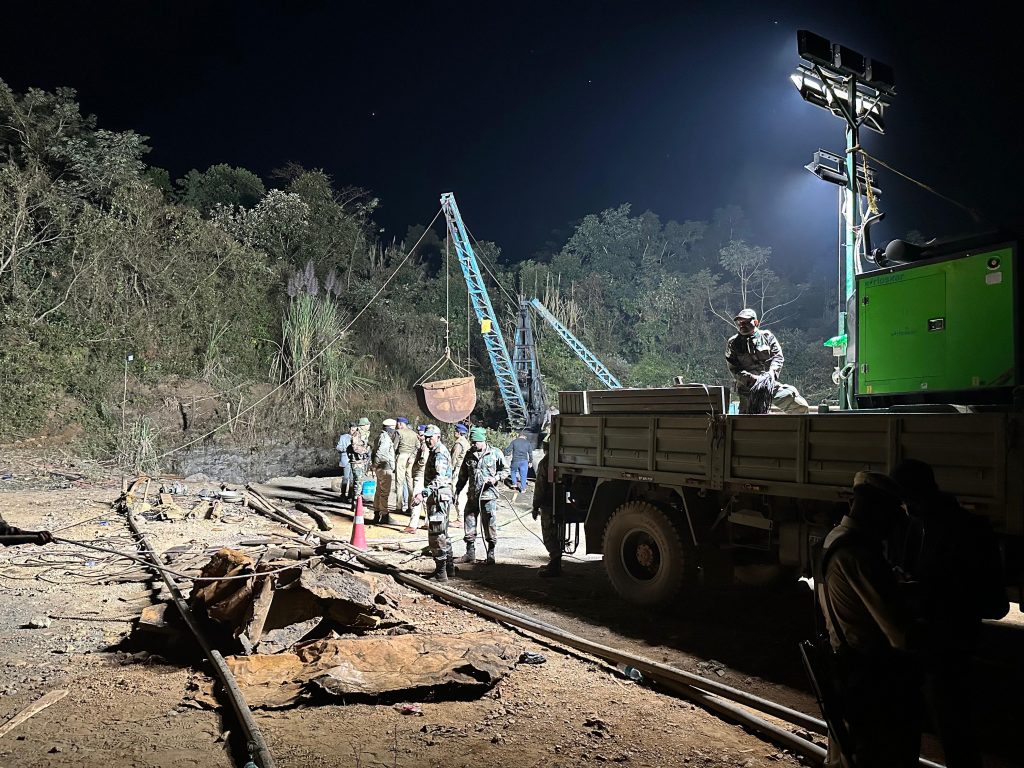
{"type": "Point", "coordinates": [857, 89]}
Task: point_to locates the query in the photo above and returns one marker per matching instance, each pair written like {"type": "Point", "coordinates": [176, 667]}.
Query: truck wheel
{"type": "Point", "coordinates": [643, 554]}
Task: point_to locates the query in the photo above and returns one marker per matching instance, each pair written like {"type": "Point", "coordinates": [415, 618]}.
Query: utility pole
{"type": "Point", "coordinates": [854, 88]}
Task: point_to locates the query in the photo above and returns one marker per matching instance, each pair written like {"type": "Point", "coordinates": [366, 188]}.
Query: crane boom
{"type": "Point", "coordinates": [501, 363]}
{"type": "Point", "coordinates": [577, 346]}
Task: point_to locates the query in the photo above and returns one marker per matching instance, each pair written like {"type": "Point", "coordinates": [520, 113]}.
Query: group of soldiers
{"type": "Point", "coordinates": [412, 469]}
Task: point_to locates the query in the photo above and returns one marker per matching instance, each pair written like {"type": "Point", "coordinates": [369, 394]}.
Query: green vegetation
{"type": "Point", "coordinates": [268, 295]}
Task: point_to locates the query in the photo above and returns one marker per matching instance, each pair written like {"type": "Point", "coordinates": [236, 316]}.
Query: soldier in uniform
{"type": "Point", "coordinates": [419, 466]}
{"type": "Point", "coordinates": [384, 502]}
{"type": "Point", "coordinates": [437, 492]}
{"type": "Point", "coordinates": [872, 632]}
{"type": "Point", "coordinates": [551, 526]}
{"type": "Point", "coordinates": [359, 456]}
{"type": "Point", "coordinates": [406, 445]}
{"type": "Point", "coordinates": [459, 449]}
{"type": "Point", "coordinates": [483, 469]}
{"type": "Point", "coordinates": [754, 355]}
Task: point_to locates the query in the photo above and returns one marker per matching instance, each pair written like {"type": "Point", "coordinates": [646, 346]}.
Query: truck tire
{"type": "Point", "coordinates": [643, 554]}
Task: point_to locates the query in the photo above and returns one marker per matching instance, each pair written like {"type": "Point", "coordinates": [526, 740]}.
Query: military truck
{"type": "Point", "coordinates": [669, 486]}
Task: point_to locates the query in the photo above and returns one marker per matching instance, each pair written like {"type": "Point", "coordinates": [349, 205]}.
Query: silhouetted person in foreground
{"type": "Point", "coordinates": [551, 526]}
{"type": "Point", "coordinates": [870, 628]}
{"type": "Point", "coordinates": [957, 564]}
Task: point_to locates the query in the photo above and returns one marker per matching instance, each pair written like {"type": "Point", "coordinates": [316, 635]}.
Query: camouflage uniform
{"type": "Point", "coordinates": [437, 493]}
{"type": "Point", "coordinates": [477, 468]}
{"type": "Point", "coordinates": [359, 460]}
{"type": "Point", "coordinates": [458, 454]}
{"type": "Point", "coordinates": [759, 353]}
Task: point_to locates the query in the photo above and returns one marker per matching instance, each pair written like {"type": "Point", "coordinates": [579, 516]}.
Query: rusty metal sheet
{"type": "Point", "coordinates": [448, 400]}
{"type": "Point", "coordinates": [269, 613]}
{"type": "Point", "coordinates": [446, 665]}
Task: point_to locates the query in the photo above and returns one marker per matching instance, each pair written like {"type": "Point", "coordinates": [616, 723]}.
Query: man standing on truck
{"type": "Point", "coordinates": [482, 471]}
{"type": "Point", "coordinates": [871, 632]}
{"type": "Point", "coordinates": [755, 360]}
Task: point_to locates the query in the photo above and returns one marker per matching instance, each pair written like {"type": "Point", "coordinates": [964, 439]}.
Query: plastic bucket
{"type": "Point", "coordinates": [369, 488]}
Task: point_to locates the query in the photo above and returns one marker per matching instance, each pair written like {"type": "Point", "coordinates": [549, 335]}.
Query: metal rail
{"type": "Point", "coordinates": [259, 753]}
{"type": "Point", "coordinates": [705, 692]}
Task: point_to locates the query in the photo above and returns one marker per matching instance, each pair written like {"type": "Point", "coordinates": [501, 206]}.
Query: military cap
{"type": "Point", "coordinates": [389, 422]}
{"type": "Point", "coordinates": [746, 314]}
{"type": "Point", "coordinates": [402, 420]}
{"type": "Point", "coordinates": [880, 482]}
{"type": "Point", "coordinates": [363, 422]}
{"type": "Point", "coordinates": [431, 430]}
{"type": "Point", "coordinates": [476, 434]}
{"type": "Point", "coordinates": [461, 429]}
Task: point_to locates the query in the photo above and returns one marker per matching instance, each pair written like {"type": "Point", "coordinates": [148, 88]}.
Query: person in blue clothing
{"type": "Point", "coordinates": [518, 453]}
{"type": "Point", "coordinates": [343, 459]}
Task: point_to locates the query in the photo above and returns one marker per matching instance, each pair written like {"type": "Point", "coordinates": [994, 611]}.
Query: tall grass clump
{"type": "Point", "coordinates": [318, 371]}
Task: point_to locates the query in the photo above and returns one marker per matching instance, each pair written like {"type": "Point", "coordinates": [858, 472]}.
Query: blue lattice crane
{"type": "Point", "coordinates": [577, 346]}
{"type": "Point", "coordinates": [501, 363]}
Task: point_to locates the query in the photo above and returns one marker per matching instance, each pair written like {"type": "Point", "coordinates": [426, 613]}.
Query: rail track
{"type": "Point", "coordinates": [760, 715]}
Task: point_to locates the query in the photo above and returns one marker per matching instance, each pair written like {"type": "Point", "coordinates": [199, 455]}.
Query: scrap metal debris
{"type": "Point", "coordinates": [443, 665]}
{"type": "Point", "coordinates": [284, 601]}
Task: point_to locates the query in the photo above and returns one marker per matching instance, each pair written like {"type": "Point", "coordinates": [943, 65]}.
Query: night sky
{"type": "Point", "coordinates": [536, 114]}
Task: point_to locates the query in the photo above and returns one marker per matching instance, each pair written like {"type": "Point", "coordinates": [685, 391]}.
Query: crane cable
{"type": "Point", "coordinates": [447, 356]}
{"type": "Point", "coordinates": [338, 337]}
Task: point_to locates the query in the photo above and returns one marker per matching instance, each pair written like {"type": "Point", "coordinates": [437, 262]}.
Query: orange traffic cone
{"type": "Point", "coordinates": [358, 528]}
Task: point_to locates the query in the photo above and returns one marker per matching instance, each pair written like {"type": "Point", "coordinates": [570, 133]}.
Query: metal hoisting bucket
{"type": "Point", "coordinates": [448, 400]}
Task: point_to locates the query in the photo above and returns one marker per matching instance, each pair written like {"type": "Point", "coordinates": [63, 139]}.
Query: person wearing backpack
{"type": "Point", "coordinates": [959, 567]}
{"type": "Point", "coordinates": [872, 633]}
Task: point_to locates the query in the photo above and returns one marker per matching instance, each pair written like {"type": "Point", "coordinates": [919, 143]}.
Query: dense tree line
{"type": "Point", "coordinates": [236, 281]}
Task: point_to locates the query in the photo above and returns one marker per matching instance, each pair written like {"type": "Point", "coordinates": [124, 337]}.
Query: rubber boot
{"type": "Point", "coordinates": [470, 556]}
{"type": "Point", "coordinates": [440, 572]}
{"type": "Point", "coordinates": [490, 554]}
{"type": "Point", "coordinates": [449, 565]}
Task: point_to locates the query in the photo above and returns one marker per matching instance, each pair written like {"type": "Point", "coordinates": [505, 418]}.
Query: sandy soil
{"type": "Point", "coordinates": [129, 704]}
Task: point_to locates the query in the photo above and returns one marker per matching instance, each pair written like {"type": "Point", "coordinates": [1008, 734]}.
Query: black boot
{"type": "Point", "coordinates": [553, 568]}
{"type": "Point", "coordinates": [470, 556]}
{"type": "Point", "coordinates": [490, 554]}
{"type": "Point", "coordinates": [440, 572]}
{"type": "Point", "coordinates": [449, 565]}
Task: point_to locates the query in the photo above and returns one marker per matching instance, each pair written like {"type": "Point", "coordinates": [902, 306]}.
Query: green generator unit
{"type": "Point", "coordinates": [944, 329]}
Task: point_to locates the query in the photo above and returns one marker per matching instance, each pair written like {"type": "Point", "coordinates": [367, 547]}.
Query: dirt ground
{"type": "Point", "coordinates": [129, 702]}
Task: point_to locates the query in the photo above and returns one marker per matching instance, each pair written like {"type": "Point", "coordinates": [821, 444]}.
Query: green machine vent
{"type": "Point", "coordinates": [943, 330]}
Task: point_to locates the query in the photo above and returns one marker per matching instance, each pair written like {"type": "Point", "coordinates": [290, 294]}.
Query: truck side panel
{"type": "Point", "coordinates": [674, 449]}
{"type": "Point", "coordinates": [975, 456]}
